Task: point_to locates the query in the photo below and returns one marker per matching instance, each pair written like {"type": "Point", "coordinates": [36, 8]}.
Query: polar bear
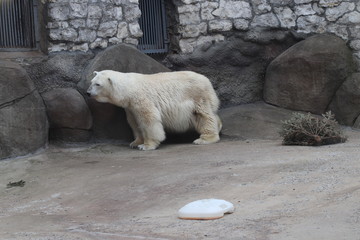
{"type": "Point", "coordinates": [155, 103]}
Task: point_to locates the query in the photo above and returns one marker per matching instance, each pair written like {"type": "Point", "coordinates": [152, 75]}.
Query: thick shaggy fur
{"type": "Point", "coordinates": [155, 103]}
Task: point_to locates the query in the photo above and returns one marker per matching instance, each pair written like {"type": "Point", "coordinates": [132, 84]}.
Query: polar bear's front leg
{"type": "Point", "coordinates": [153, 136]}
{"type": "Point", "coordinates": [135, 128]}
{"type": "Point", "coordinates": [151, 129]}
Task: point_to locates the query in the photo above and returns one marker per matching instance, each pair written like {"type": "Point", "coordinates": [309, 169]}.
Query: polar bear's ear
{"type": "Point", "coordinates": [96, 73]}
{"type": "Point", "coordinates": [110, 81]}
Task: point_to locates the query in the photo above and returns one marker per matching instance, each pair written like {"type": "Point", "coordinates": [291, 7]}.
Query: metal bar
{"type": "Point", "coordinates": [17, 24]}
{"type": "Point", "coordinates": [148, 24]}
{"type": "Point", "coordinates": [6, 24]}
{"type": "Point", "coordinates": [22, 21]}
{"type": "Point", "coordinates": [159, 24]}
{"type": "Point", "coordinates": [26, 23]}
{"type": "Point", "coordinates": [156, 24]}
{"type": "Point", "coordinates": [32, 23]}
{"type": "Point", "coordinates": [164, 26]}
{"type": "Point", "coordinates": [141, 23]}
{"type": "Point", "coordinates": [2, 30]}
{"type": "Point", "coordinates": [12, 24]}
{"type": "Point", "coordinates": [3, 11]}
{"type": "Point", "coordinates": [15, 40]}
{"type": "Point", "coordinates": [141, 26]}
{"type": "Point", "coordinates": [153, 25]}
{"type": "Point", "coordinates": [35, 18]}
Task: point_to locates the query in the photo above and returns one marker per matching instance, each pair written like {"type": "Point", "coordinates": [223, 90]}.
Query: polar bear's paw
{"type": "Point", "coordinates": [136, 143]}
{"type": "Point", "coordinates": [146, 147]}
{"type": "Point", "coordinates": [206, 140]}
{"type": "Point", "coordinates": [200, 141]}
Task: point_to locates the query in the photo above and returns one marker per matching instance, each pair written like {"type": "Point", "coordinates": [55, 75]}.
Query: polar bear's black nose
{"type": "Point", "coordinates": [88, 93]}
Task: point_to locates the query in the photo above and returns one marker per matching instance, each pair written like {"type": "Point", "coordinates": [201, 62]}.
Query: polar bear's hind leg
{"type": "Point", "coordinates": [208, 125]}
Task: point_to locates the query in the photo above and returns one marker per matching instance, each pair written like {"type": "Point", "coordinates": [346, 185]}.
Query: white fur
{"type": "Point", "coordinates": [171, 101]}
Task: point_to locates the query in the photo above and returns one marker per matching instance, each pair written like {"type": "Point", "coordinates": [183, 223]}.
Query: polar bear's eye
{"type": "Point", "coordinates": [96, 84]}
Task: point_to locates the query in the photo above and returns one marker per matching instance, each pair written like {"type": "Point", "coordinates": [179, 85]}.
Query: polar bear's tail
{"type": "Point", "coordinates": [214, 101]}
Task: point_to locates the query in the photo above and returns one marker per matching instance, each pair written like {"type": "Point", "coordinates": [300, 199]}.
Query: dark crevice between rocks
{"type": "Point", "coordinates": [12, 102]}
{"type": "Point", "coordinates": [71, 135]}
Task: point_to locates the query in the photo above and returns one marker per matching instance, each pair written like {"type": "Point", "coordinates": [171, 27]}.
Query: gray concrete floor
{"type": "Point", "coordinates": [108, 191]}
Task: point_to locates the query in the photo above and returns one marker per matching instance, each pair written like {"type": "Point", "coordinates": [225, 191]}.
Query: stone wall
{"type": "Point", "coordinates": [89, 24]}
{"type": "Point", "coordinates": [202, 21]}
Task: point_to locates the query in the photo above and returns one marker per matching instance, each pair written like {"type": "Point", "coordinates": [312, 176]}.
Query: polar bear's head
{"type": "Point", "coordinates": [100, 87]}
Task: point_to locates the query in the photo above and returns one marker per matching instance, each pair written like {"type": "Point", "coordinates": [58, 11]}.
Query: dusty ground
{"type": "Point", "coordinates": [112, 192]}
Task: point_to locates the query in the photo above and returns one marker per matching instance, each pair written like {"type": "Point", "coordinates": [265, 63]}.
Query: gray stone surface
{"type": "Point", "coordinates": [233, 9]}
{"type": "Point", "coordinates": [236, 68]}
{"type": "Point", "coordinates": [24, 127]}
{"type": "Point", "coordinates": [86, 35]}
{"type": "Point", "coordinates": [66, 108]}
{"type": "Point", "coordinates": [346, 102]}
{"type": "Point", "coordinates": [332, 14]}
{"type": "Point", "coordinates": [306, 76]}
{"type": "Point", "coordinates": [311, 24]}
{"type": "Point", "coordinates": [286, 17]}
{"type": "Point", "coordinates": [68, 34]}
{"type": "Point", "coordinates": [261, 6]}
{"type": "Point", "coordinates": [59, 70]}
{"type": "Point", "coordinates": [109, 122]}
{"type": "Point", "coordinates": [107, 29]}
{"type": "Point", "coordinates": [253, 121]}
{"type": "Point", "coordinates": [220, 25]}
{"type": "Point", "coordinates": [265, 20]}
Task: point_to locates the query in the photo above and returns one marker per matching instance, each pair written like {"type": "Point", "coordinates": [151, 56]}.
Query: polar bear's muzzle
{"type": "Point", "coordinates": [96, 93]}
{"type": "Point", "coordinates": [88, 92]}
{"type": "Point", "coordinates": [92, 92]}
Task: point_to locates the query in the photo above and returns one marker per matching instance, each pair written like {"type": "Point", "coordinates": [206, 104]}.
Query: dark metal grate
{"type": "Point", "coordinates": [153, 25]}
{"type": "Point", "coordinates": [17, 28]}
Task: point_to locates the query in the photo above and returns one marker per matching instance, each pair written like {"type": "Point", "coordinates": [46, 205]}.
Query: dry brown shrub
{"type": "Point", "coordinates": [308, 130]}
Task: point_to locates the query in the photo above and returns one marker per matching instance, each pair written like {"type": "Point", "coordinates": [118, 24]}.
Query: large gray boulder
{"type": "Point", "coordinates": [346, 102]}
{"type": "Point", "coordinates": [253, 121]}
{"type": "Point", "coordinates": [69, 115]}
{"type": "Point", "coordinates": [24, 127]}
{"type": "Point", "coordinates": [109, 121]}
{"type": "Point", "coordinates": [235, 67]}
{"type": "Point", "coordinates": [306, 76]}
{"type": "Point", "coordinates": [59, 70]}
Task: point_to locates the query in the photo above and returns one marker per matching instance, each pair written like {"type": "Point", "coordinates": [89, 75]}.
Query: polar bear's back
{"type": "Point", "coordinates": [179, 86]}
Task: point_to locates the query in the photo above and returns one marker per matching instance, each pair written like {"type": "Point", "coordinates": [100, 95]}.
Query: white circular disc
{"type": "Point", "coordinates": [206, 209]}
